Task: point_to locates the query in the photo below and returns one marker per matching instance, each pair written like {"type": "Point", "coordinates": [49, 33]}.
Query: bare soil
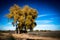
{"type": "Point", "coordinates": [8, 36]}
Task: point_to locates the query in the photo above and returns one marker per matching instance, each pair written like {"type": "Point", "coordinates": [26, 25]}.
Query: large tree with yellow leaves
{"type": "Point", "coordinates": [24, 18]}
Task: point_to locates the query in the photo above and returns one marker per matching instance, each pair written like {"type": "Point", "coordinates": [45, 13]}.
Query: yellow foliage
{"type": "Point", "coordinates": [29, 17]}
{"type": "Point", "coordinates": [28, 22]}
{"type": "Point", "coordinates": [9, 15]}
{"type": "Point", "coordinates": [25, 15]}
{"type": "Point", "coordinates": [21, 19]}
{"type": "Point", "coordinates": [25, 8]}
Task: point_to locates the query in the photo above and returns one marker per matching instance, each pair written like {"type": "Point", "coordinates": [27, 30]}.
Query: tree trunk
{"type": "Point", "coordinates": [25, 30]}
{"type": "Point", "coordinates": [31, 29]}
{"type": "Point", "coordinates": [18, 31]}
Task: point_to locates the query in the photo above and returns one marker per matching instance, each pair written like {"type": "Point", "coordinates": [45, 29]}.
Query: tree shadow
{"type": "Point", "coordinates": [11, 37]}
{"type": "Point", "coordinates": [34, 39]}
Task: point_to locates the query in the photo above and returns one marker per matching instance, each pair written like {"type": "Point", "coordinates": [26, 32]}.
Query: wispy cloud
{"type": "Point", "coordinates": [8, 26]}
{"type": "Point", "coordinates": [9, 23]}
{"type": "Point", "coordinates": [47, 27]}
{"type": "Point", "coordinates": [43, 15]}
{"type": "Point", "coordinates": [43, 21]}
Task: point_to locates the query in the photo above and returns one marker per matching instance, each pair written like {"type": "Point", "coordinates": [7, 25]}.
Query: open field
{"type": "Point", "coordinates": [31, 36]}
{"type": "Point", "coordinates": [54, 34]}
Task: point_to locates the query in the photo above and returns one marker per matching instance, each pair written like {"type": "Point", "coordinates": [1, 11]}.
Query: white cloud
{"type": "Point", "coordinates": [9, 23]}
{"type": "Point", "coordinates": [43, 21]}
{"type": "Point", "coordinates": [8, 26]}
{"type": "Point", "coordinates": [46, 27]}
{"type": "Point", "coordinates": [41, 15]}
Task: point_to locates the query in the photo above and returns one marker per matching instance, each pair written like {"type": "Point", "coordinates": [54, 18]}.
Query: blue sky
{"type": "Point", "coordinates": [48, 13]}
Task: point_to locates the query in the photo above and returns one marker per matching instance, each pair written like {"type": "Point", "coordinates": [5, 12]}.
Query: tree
{"type": "Point", "coordinates": [25, 16]}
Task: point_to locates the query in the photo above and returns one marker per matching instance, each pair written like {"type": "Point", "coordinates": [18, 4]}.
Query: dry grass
{"type": "Point", "coordinates": [26, 36]}
{"type": "Point", "coordinates": [7, 36]}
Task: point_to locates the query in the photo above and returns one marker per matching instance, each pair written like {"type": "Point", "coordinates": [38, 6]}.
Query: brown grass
{"type": "Point", "coordinates": [8, 36]}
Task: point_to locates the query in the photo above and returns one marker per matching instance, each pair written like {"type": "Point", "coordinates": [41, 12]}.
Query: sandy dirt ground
{"type": "Point", "coordinates": [27, 36]}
